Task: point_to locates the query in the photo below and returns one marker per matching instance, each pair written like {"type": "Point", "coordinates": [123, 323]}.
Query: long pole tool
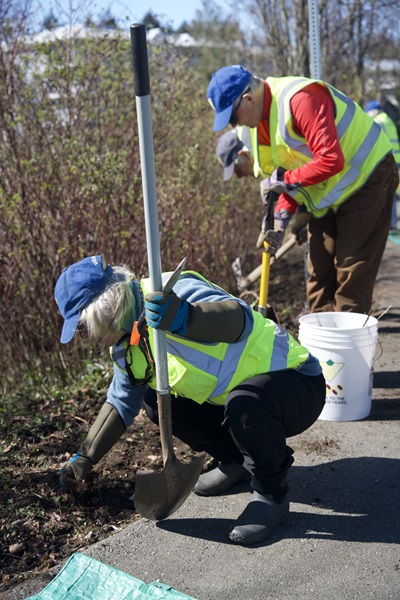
{"type": "Point", "coordinates": [157, 495]}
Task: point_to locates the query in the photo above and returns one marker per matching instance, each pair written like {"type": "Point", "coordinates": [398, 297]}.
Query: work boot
{"type": "Point", "coordinates": [220, 479]}
{"type": "Point", "coordinates": [260, 518]}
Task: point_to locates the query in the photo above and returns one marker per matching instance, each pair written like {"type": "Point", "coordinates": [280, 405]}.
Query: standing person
{"type": "Point", "coordinates": [374, 109]}
{"type": "Point", "coordinates": [317, 148]}
{"type": "Point", "coordinates": [240, 383]}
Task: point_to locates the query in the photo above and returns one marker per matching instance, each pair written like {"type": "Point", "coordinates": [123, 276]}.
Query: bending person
{"type": "Point", "coordinates": [240, 384]}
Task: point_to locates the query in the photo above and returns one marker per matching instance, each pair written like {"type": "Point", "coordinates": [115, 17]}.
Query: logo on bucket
{"type": "Point", "coordinates": [335, 393]}
{"type": "Point", "coordinates": [331, 369]}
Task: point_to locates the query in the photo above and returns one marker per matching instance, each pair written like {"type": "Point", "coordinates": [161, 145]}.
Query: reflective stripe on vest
{"type": "Point", "coordinates": [118, 353]}
{"type": "Point", "coordinates": [207, 372]}
{"type": "Point", "coordinates": [362, 142]}
{"type": "Point", "coordinates": [229, 359]}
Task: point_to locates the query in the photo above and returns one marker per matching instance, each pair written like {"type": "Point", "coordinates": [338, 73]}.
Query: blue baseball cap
{"type": "Point", "coordinates": [372, 105]}
{"type": "Point", "coordinates": [226, 85]}
{"type": "Point", "coordinates": [77, 286]}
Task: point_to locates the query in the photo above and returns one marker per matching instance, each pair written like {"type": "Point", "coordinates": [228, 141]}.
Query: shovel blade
{"type": "Point", "coordinates": [158, 495]}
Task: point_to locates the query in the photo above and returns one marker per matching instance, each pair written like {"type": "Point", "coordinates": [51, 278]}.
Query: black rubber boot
{"type": "Point", "coordinates": [220, 479]}
{"type": "Point", "coordinates": [259, 519]}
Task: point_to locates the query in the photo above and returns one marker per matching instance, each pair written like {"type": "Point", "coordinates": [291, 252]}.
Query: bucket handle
{"type": "Point", "coordinates": [379, 343]}
{"type": "Point", "coordinates": [377, 318]}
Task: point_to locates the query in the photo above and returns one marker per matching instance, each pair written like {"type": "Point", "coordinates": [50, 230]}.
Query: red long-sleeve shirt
{"type": "Point", "coordinates": [313, 118]}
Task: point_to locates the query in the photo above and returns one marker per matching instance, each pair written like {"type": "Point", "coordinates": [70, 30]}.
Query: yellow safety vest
{"type": "Point", "coordinates": [363, 143]}
{"type": "Point", "coordinates": [389, 127]}
{"type": "Point", "coordinates": [209, 371]}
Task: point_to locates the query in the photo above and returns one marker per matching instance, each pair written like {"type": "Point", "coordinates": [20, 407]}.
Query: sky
{"type": "Point", "coordinates": [169, 12]}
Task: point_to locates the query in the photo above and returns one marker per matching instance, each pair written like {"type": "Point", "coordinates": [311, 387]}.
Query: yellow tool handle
{"type": "Point", "coordinates": [264, 283]}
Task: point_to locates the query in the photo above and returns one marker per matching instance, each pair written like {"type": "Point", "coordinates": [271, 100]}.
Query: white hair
{"type": "Point", "coordinates": [113, 310]}
{"type": "Point", "coordinates": [255, 83]}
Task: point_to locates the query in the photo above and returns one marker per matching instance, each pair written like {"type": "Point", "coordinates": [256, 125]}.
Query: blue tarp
{"type": "Point", "coordinates": [85, 578]}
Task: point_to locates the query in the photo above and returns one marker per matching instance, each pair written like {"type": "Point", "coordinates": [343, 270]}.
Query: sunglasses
{"type": "Point", "coordinates": [234, 117]}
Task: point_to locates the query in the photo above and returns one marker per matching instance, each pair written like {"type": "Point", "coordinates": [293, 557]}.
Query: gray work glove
{"type": "Point", "coordinates": [103, 434]}
{"type": "Point", "coordinates": [301, 235]}
{"type": "Point", "coordinates": [274, 237]}
{"type": "Point", "coordinates": [275, 184]}
{"type": "Point", "coordinates": [298, 225]}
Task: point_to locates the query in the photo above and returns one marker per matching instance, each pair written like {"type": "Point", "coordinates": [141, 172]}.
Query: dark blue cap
{"type": "Point", "coordinates": [226, 85]}
{"type": "Point", "coordinates": [372, 105]}
{"type": "Point", "coordinates": [77, 286]}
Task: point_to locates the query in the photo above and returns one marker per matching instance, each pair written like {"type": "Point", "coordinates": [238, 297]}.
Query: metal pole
{"type": "Point", "coordinates": [314, 40]}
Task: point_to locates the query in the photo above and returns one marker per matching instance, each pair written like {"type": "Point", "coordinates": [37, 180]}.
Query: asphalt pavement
{"type": "Point", "coordinates": [341, 539]}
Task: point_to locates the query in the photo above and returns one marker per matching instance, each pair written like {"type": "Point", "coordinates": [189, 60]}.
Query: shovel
{"type": "Point", "coordinates": [157, 495]}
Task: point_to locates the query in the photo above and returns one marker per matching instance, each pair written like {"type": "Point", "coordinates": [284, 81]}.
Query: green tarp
{"type": "Point", "coordinates": [84, 578]}
{"type": "Point", "coordinates": [394, 236]}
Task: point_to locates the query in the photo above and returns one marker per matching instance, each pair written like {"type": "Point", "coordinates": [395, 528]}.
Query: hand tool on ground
{"type": "Point", "coordinates": [157, 495]}
{"type": "Point", "coordinates": [245, 282]}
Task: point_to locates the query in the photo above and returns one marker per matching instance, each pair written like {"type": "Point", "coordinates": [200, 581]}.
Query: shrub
{"type": "Point", "coordinates": [71, 186]}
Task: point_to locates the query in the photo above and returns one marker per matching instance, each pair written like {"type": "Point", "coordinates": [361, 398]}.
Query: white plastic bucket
{"type": "Point", "coordinates": [344, 343]}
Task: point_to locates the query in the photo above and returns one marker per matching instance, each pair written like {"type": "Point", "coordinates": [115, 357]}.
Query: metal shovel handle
{"type": "Point", "coordinates": [142, 92]}
{"type": "Point", "coordinates": [157, 495]}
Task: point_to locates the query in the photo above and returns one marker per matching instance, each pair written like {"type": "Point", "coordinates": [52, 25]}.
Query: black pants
{"type": "Point", "coordinates": [252, 427]}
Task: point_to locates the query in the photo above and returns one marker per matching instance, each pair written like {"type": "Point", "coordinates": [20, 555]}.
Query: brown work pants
{"type": "Point", "coordinates": [345, 248]}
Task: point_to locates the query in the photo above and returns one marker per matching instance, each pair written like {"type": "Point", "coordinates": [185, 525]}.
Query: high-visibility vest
{"type": "Point", "coordinates": [363, 143]}
{"type": "Point", "coordinates": [209, 371]}
{"type": "Point", "coordinates": [389, 127]}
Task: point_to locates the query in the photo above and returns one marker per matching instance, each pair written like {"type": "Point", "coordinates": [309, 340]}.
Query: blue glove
{"type": "Point", "coordinates": [166, 312]}
{"type": "Point", "coordinates": [275, 184]}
